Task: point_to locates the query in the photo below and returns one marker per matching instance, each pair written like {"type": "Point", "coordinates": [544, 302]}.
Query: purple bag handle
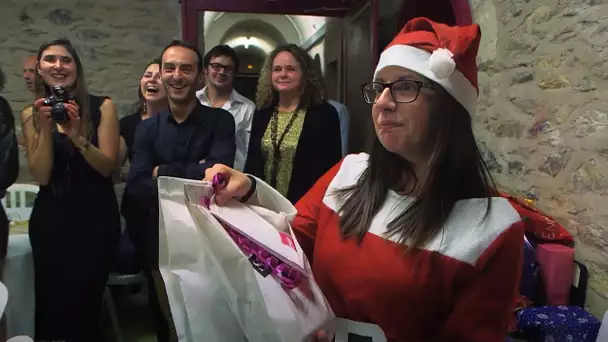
{"type": "Point", "coordinates": [261, 260]}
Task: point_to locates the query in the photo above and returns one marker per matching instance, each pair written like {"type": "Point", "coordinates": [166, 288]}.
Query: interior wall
{"type": "Point", "coordinates": [114, 40]}
{"type": "Point", "coordinates": [345, 56]}
{"type": "Point", "coordinates": [358, 56]}
{"type": "Point", "coordinates": [542, 116]}
{"type": "Point", "coordinates": [332, 61]}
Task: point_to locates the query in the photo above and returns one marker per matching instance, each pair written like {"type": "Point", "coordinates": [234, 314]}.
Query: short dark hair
{"type": "Point", "coordinates": [222, 50]}
{"type": "Point", "coordinates": [189, 46]}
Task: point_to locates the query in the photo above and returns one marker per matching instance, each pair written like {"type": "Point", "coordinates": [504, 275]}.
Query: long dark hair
{"type": "Point", "coordinates": [79, 89]}
{"type": "Point", "coordinates": [313, 91]}
{"type": "Point", "coordinates": [456, 172]}
{"type": "Point", "coordinates": [138, 106]}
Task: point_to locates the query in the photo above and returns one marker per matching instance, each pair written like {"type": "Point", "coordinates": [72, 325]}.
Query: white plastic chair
{"type": "Point", "coordinates": [603, 334]}
{"type": "Point", "coordinates": [3, 298]}
{"type": "Point", "coordinates": [3, 301]}
{"type": "Point", "coordinates": [20, 339]}
{"type": "Point", "coordinates": [16, 197]}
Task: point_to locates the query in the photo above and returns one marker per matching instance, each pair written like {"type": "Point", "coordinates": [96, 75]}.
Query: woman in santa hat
{"type": "Point", "coordinates": [412, 237]}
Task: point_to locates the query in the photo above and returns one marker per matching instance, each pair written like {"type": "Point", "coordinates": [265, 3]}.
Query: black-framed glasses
{"type": "Point", "coordinates": [219, 67]}
{"type": "Point", "coordinates": [402, 91]}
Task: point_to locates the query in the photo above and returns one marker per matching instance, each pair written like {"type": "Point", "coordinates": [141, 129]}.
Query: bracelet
{"type": "Point", "coordinates": [85, 146]}
{"type": "Point", "coordinates": [251, 190]}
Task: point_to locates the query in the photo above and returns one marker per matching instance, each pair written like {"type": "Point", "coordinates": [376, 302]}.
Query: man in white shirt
{"type": "Point", "coordinates": [220, 66]}
{"type": "Point", "coordinates": [344, 122]}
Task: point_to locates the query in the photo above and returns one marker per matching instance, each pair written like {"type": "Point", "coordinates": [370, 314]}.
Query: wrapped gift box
{"type": "Point", "coordinates": [557, 324]}
{"type": "Point", "coordinates": [556, 271]}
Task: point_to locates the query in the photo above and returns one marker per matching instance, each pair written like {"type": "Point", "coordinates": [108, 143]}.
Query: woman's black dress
{"type": "Point", "coordinates": [74, 230]}
{"type": "Point", "coordinates": [9, 166]}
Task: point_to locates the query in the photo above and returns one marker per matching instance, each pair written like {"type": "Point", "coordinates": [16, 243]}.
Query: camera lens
{"type": "Point", "coordinates": [59, 113]}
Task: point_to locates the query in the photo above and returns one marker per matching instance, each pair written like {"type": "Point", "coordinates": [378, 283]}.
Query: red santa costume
{"type": "Point", "coordinates": [461, 286]}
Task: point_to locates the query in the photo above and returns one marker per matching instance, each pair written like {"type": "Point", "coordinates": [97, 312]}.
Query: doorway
{"type": "Point", "coordinates": [247, 85]}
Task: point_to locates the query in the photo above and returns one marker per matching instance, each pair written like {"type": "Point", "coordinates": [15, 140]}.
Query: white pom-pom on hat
{"type": "Point", "coordinates": [444, 54]}
{"type": "Point", "coordinates": [442, 63]}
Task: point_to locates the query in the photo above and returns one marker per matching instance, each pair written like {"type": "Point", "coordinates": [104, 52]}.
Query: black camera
{"type": "Point", "coordinates": [59, 97]}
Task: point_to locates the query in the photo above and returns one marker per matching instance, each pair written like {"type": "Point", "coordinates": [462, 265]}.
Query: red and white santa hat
{"type": "Point", "coordinates": [442, 53]}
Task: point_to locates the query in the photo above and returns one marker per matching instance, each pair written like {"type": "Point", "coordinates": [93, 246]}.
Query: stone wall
{"type": "Point", "coordinates": [114, 39]}
{"type": "Point", "coordinates": [543, 114]}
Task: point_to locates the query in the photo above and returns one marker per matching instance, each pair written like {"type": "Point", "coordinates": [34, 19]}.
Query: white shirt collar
{"type": "Point", "coordinates": [235, 98]}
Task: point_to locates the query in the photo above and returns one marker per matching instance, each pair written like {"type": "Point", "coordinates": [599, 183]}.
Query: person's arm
{"type": "Point", "coordinates": [483, 305]}
{"type": "Point", "coordinates": [140, 180]}
{"type": "Point", "coordinates": [123, 149]}
{"type": "Point", "coordinates": [103, 158]}
{"type": "Point", "coordinates": [39, 145]}
{"type": "Point", "coordinates": [122, 152]}
{"type": "Point", "coordinates": [254, 164]}
{"type": "Point", "coordinates": [329, 149]}
{"type": "Point", "coordinates": [223, 149]}
{"type": "Point", "coordinates": [9, 152]}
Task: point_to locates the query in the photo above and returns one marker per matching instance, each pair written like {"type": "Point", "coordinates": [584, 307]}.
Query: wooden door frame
{"type": "Point", "coordinates": [191, 8]}
{"type": "Point", "coordinates": [462, 12]}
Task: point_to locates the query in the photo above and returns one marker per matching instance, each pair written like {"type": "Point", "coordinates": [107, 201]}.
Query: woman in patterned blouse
{"type": "Point", "coordinates": [295, 134]}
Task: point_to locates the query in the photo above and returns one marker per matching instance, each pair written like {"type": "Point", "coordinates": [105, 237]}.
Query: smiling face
{"type": "Point", "coordinates": [286, 73]}
{"type": "Point", "coordinates": [402, 128]}
{"type": "Point", "coordinates": [180, 74]}
{"type": "Point", "coordinates": [151, 86]}
{"type": "Point", "coordinates": [57, 67]}
{"type": "Point", "coordinates": [220, 72]}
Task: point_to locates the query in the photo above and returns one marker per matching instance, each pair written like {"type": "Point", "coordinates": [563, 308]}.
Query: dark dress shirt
{"type": "Point", "coordinates": [183, 150]}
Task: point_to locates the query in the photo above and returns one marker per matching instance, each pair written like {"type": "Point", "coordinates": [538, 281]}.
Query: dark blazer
{"type": "Point", "coordinates": [319, 147]}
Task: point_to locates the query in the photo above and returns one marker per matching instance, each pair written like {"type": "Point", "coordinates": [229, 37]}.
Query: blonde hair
{"type": "Point", "coordinates": [313, 87]}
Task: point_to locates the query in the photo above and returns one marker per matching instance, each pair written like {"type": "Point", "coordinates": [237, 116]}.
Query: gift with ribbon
{"type": "Point", "coordinates": [235, 272]}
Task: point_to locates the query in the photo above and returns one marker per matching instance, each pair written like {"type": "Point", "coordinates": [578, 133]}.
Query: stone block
{"type": "Point", "coordinates": [113, 38]}
{"type": "Point", "coordinates": [549, 73]}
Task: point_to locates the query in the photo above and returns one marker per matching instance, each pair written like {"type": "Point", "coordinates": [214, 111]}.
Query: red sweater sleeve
{"type": "Point", "coordinates": [305, 222]}
{"type": "Point", "coordinates": [483, 304]}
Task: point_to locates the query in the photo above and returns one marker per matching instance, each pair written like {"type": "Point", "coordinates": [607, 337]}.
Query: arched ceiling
{"type": "Point", "coordinates": [252, 59]}
{"type": "Point", "coordinates": [254, 27]}
{"type": "Point", "coordinates": [271, 29]}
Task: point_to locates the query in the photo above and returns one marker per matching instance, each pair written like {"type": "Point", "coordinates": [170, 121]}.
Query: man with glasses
{"type": "Point", "coordinates": [221, 64]}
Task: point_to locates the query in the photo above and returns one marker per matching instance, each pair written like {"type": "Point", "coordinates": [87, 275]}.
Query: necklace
{"type": "Point", "coordinates": [276, 143]}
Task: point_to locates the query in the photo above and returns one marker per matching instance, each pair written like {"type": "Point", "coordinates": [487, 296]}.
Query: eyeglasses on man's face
{"type": "Point", "coordinates": [402, 91]}
{"type": "Point", "coordinates": [219, 67]}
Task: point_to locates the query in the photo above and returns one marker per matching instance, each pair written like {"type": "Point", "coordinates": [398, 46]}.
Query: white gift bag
{"type": "Point", "coordinates": [197, 299]}
{"type": "Point", "coordinates": [204, 269]}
